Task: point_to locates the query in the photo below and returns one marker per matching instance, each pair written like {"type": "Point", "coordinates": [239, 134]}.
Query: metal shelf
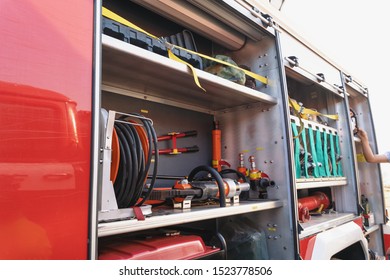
{"type": "Point", "coordinates": [131, 70]}
{"type": "Point", "coordinates": [307, 183]}
{"type": "Point", "coordinates": [371, 229]}
{"type": "Point", "coordinates": [324, 222]}
{"type": "Point", "coordinates": [169, 217]}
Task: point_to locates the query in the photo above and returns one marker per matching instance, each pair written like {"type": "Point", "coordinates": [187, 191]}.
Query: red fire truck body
{"type": "Point", "coordinates": [68, 71]}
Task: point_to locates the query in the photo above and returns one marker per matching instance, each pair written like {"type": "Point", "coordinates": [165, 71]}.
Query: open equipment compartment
{"type": "Point", "coordinates": [139, 79]}
{"type": "Point", "coordinates": [324, 175]}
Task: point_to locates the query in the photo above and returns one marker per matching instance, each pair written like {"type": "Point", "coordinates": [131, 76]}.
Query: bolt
{"type": "Point", "coordinates": [276, 237]}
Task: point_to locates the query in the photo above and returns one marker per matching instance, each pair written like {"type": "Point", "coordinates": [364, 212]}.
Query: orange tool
{"type": "Point", "coordinates": [217, 150]}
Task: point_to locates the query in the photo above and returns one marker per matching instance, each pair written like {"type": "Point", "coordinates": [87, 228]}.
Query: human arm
{"type": "Point", "coordinates": [367, 151]}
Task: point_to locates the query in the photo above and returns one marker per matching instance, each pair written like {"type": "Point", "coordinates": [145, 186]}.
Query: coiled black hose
{"type": "Point", "coordinates": [133, 166]}
{"type": "Point", "coordinates": [152, 138]}
{"type": "Point", "coordinates": [129, 164]}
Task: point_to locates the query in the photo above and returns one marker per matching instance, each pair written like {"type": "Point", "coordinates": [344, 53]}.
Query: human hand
{"type": "Point", "coordinates": [362, 134]}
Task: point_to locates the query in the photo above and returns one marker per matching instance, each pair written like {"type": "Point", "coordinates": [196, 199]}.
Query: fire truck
{"type": "Point", "coordinates": [180, 129]}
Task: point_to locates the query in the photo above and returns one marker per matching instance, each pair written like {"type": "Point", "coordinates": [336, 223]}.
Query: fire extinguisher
{"type": "Point", "coordinates": [308, 203]}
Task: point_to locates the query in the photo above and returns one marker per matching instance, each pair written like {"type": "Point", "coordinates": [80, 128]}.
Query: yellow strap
{"type": "Point", "coordinates": [171, 55]}
{"type": "Point", "coordinates": [262, 79]}
{"type": "Point", "coordinates": [303, 110]}
{"type": "Point", "coordinates": [296, 113]}
{"type": "Point", "coordinates": [111, 15]}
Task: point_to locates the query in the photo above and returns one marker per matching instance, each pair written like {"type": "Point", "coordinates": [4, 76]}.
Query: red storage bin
{"type": "Point", "coordinates": [177, 247]}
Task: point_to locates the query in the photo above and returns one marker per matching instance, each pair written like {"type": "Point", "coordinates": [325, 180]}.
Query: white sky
{"type": "Point", "coordinates": [356, 34]}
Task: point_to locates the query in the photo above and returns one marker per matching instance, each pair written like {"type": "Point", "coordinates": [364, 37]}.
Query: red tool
{"type": "Point", "coordinates": [199, 190]}
{"type": "Point", "coordinates": [178, 150]}
{"type": "Point", "coordinates": [174, 150]}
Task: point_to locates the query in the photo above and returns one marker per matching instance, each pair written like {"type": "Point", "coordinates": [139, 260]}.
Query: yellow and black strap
{"type": "Point", "coordinates": [113, 16]}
